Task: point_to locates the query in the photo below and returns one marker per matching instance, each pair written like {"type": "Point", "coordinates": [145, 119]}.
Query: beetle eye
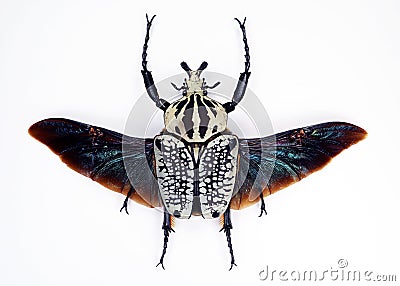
{"type": "Point", "coordinates": [205, 92]}
{"type": "Point", "coordinates": [184, 93]}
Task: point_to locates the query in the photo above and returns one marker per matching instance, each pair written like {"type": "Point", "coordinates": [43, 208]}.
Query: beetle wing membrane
{"type": "Point", "coordinates": [265, 165]}
{"type": "Point", "coordinates": [294, 155]}
{"type": "Point", "coordinates": [97, 153]}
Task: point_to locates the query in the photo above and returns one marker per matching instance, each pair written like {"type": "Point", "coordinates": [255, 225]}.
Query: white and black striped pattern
{"type": "Point", "coordinates": [195, 117]}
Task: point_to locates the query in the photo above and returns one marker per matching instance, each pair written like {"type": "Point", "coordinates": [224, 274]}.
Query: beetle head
{"type": "Point", "coordinates": [194, 84]}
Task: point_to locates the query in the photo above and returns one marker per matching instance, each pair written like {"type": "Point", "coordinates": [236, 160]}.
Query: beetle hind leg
{"type": "Point", "coordinates": [167, 227]}
{"type": "Point", "coordinates": [226, 227]}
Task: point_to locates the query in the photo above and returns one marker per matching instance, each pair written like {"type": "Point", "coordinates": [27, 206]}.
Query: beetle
{"type": "Point", "coordinates": [195, 165]}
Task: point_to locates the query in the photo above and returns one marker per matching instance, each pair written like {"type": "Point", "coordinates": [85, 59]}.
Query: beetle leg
{"type": "Point", "coordinates": [125, 205]}
{"type": "Point", "coordinates": [244, 76]}
{"type": "Point", "coordinates": [227, 226]}
{"type": "Point", "coordinates": [147, 77]}
{"type": "Point", "coordinates": [263, 210]}
{"type": "Point", "coordinates": [167, 227]}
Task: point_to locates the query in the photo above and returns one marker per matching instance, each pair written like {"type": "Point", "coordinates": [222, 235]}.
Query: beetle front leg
{"type": "Point", "coordinates": [227, 226]}
{"type": "Point", "coordinates": [147, 77]}
{"type": "Point", "coordinates": [244, 76]}
{"type": "Point", "coordinates": [167, 227]}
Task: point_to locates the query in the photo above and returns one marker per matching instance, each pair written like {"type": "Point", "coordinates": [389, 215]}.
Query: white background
{"type": "Point", "coordinates": [312, 61]}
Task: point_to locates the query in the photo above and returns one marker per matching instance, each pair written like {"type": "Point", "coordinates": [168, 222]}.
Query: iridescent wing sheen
{"type": "Point", "coordinates": [98, 153]}
{"type": "Point", "coordinates": [277, 161]}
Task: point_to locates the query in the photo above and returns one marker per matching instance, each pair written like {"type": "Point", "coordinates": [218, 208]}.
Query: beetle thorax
{"type": "Point", "coordinates": [195, 117]}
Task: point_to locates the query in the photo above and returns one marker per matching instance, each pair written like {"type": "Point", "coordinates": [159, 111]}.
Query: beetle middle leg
{"type": "Point", "coordinates": [128, 195]}
{"type": "Point", "coordinates": [227, 226]}
{"type": "Point", "coordinates": [263, 210]}
{"type": "Point", "coordinates": [167, 227]}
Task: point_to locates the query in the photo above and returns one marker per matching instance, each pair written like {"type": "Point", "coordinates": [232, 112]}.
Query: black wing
{"type": "Point", "coordinates": [103, 155]}
{"type": "Point", "coordinates": [272, 163]}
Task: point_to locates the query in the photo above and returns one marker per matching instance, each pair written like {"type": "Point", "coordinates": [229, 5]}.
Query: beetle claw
{"type": "Point", "coordinates": [232, 264]}
{"type": "Point", "coordinates": [125, 204]}
{"type": "Point", "coordinates": [124, 207]}
{"type": "Point", "coordinates": [161, 263]}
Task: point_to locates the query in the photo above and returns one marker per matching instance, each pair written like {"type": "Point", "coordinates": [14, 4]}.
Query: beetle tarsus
{"type": "Point", "coordinates": [263, 210]}
{"type": "Point", "coordinates": [146, 40]}
{"type": "Point", "coordinates": [227, 226]}
{"type": "Point", "coordinates": [228, 238]}
{"type": "Point", "coordinates": [125, 204]}
{"type": "Point", "coordinates": [246, 46]}
{"type": "Point", "coordinates": [167, 227]}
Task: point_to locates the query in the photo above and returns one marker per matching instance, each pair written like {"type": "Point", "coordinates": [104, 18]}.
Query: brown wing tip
{"type": "Point", "coordinates": [363, 133]}
{"type": "Point", "coordinates": [358, 129]}
{"type": "Point", "coordinates": [357, 134]}
{"type": "Point", "coordinates": [35, 130]}
{"type": "Point", "coordinates": [43, 130]}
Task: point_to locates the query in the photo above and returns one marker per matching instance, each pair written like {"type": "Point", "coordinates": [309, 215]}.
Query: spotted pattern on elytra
{"type": "Point", "coordinates": [175, 175]}
{"type": "Point", "coordinates": [196, 184]}
{"type": "Point", "coordinates": [217, 170]}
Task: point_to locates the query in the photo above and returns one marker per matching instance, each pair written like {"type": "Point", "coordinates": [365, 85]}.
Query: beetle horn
{"type": "Point", "coordinates": [185, 66]}
{"type": "Point", "coordinates": [203, 66]}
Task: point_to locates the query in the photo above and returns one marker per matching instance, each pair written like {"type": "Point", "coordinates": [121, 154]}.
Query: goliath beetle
{"type": "Point", "coordinates": [195, 166]}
